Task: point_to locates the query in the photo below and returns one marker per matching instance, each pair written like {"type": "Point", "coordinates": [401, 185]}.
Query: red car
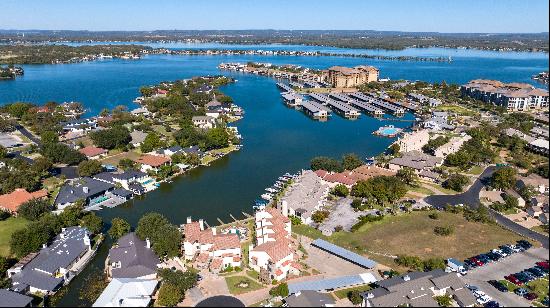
{"type": "Point", "coordinates": [513, 280]}
{"type": "Point", "coordinates": [543, 264]}
{"type": "Point", "coordinates": [531, 296]}
{"type": "Point", "coordinates": [476, 261]}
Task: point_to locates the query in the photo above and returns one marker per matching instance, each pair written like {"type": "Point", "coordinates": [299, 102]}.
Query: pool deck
{"type": "Point", "coordinates": [389, 132]}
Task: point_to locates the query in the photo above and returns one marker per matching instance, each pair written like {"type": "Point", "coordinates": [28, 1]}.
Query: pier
{"type": "Point", "coordinates": [284, 87]}
{"type": "Point", "coordinates": [344, 109]}
{"type": "Point", "coordinates": [322, 98]}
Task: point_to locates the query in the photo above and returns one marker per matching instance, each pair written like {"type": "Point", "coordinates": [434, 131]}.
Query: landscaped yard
{"type": "Point", "coordinates": [241, 284]}
{"type": "Point", "coordinates": [413, 234]}
{"type": "Point", "coordinates": [344, 292]}
{"type": "Point", "coordinates": [7, 228]}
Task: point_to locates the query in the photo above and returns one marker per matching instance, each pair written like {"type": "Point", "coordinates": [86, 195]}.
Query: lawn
{"type": "Point", "coordinates": [235, 287]}
{"type": "Point", "coordinates": [441, 188]}
{"type": "Point", "coordinates": [422, 190]}
{"type": "Point", "coordinates": [344, 292]}
{"type": "Point", "coordinates": [476, 170]}
{"type": "Point", "coordinates": [412, 234]}
{"type": "Point", "coordinates": [540, 287]}
{"type": "Point", "coordinates": [114, 159]}
{"type": "Point", "coordinates": [7, 228]}
{"type": "Point", "coordinates": [456, 109]}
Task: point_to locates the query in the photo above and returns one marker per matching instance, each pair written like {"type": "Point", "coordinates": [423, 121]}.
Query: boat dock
{"type": "Point", "coordinates": [396, 110]}
{"type": "Point", "coordinates": [344, 109]}
{"type": "Point", "coordinates": [284, 87]}
{"type": "Point", "coordinates": [292, 99]}
{"type": "Point", "coordinates": [369, 108]}
{"type": "Point", "coordinates": [315, 110]}
{"type": "Point", "coordinates": [322, 98]}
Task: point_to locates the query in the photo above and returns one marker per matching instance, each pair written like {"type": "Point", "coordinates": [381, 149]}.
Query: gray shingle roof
{"type": "Point", "coordinates": [136, 259]}
{"type": "Point", "coordinates": [309, 299]}
{"type": "Point", "coordinates": [83, 188]}
{"type": "Point", "coordinates": [13, 299]}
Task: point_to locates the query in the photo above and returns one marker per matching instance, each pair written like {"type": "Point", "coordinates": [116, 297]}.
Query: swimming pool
{"type": "Point", "coordinates": [388, 131]}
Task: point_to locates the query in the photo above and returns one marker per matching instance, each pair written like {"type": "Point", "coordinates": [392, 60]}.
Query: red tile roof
{"type": "Point", "coordinates": [153, 160]}
{"type": "Point", "coordinates": [92, 151]}
{"type": "Point", "coordinates": [275, 250]}
{"type": "Point", "coordinates": [216, 263]}
{"type": "Point", "coordinates": [15, 199]}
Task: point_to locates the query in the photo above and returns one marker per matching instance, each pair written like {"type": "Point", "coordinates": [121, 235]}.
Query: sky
{"type": "Point", "coordinates": [493, 16]}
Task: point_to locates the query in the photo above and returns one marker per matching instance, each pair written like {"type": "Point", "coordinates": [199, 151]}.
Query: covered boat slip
{"type": "Point", "coordinates": [315, 110]}
{"type": "Point", "coordinates": [378, 102]}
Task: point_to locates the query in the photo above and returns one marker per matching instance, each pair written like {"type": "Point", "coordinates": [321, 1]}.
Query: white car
{"type": "Point", "coordinates": [500, 252]}
{"type": "Point", "coordinates": [484, 299]}
{"type": "Point", "coordinates": [479, 293]}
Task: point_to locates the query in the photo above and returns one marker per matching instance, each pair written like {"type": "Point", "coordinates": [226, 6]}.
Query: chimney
{"type": "Point", "coordinates": [44, 246]}
{"type": "Point", "coordinates": [147, 243]}
{"type": "Point", "coordinates": [72, 191]}
{"type": "Point", "coordinates": [87, 241]}
{"type": "Point", "coordinates": [406, 278]}
{"type": "Point", "coordinates": [85, 189]}
{"type": "Point", "coordinates": [201, 223]}
{"type": "Point", "coordinates": [214, 230]}
{"type": "Point", "coordinates": [189, 220]}
{"type": "Point", "coordinates": [285, 208]}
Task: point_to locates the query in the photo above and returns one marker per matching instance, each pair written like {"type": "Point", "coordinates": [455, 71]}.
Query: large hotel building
{"type": "Point", "coordinates": [512, 96]}
{"type": "Point", "coordinates": [346, 77]}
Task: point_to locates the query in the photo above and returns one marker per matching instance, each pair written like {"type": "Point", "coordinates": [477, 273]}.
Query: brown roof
{"type": "Point", "coordinates": [153, 160]}
{"type": "Point", "coordinates": [344, 70]}
{"type": "Point", "coordinates": [193, 234]}
{"type": "Point", "coordinates": [15, 199]}
{"type": "Point", "coordinates": [276, 250]}
{"type": "Point", "coordinates": [92, 151]}
{"type": "Point", "coordinates": [216, 263]}
{"type": "Point", "coordinates": [366, 172]}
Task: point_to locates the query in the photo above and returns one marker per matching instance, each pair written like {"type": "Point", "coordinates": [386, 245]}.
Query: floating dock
{"type": "Point", "coordinates": [322, 98]}
{"type": "Point", "coordinates": [284, 87]}
{"type": "Point", "coordinates": [315, 110]}
{"type": "Point", "coordinates": [369, 108]}
{"type": "Point", "coordinates": [344, 109]}
{"type": "Point", "coordinates": [396, 110]}
{"type": "Point", "coordinates": [292, 99]}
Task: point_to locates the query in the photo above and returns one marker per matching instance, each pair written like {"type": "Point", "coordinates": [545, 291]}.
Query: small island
{"type": "Point", "coordinates": [10, 72]}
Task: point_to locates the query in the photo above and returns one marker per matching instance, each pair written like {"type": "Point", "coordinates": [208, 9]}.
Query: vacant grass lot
{"type": "Point", "coordinates": [7, 228]}
{"type": "Point", "coordinates": [412, 234]}
{"type": "Point", "coordinates": [234, 284]}
{"type": "Point", "coordinates": [114, 159]}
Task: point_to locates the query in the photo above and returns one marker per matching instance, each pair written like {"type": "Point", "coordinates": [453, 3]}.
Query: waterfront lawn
{"type": "Point", "coordinates": [7, 228]}
{"type": "Point", "coordinates": [344, 292]}
{"type": "Point", "coordinates": [412, 234]}
{"type": "Point", "coordinates": [235, 288]}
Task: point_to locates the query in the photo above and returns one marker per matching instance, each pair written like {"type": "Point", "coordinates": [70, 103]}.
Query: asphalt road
{"type": "Point", "coordinates": [29, 135]}
{"type": "Point", "coordinates": [471, 198]}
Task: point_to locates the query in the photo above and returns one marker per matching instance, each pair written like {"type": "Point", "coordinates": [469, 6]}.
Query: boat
{"type": "Point", "coordinates": [271, 190]}
{"type": "Point", "coordinates": [267, 196]}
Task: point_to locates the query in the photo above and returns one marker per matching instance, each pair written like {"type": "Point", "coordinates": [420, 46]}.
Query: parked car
{"type": "Point", "coordinates": [543, 264]}
{"type": "Point", "coordinates": [483, 258]}
{"type": "Point", "coordinates": [531, 296]}
{"type": "Point", "coordinates": [498, 285]}
{"type": "Point", "coordinates": [521, 291]}
{"type": "Point", "coordinates": [476, 261]}
{"type": "Point", "coordinates": [525, 244]}
{"type": "Point", "coordinates": [494, 256]}
{"type": "Point", "coordinates": [536, 272]}
{"type": "Point", "coordinates": [522, 277]}
{"type": "Point", "coordinates": [484, 299]}
{"type": "Point", "coordinates": [546, 301]}
{"type": "Point", "coordinates": [472, 288]}
{"type": "Point", "coordinates": [506, 249]}
{"type": "Point", "coordinates": [492, 304]}
{"type": "Point", "coordinates": [542, 269]}
{"type": "Point", "coordinates": [499, 252]}
{"type": "Point", "coordinates": [513, 280]}
{"type": "Point", "coordinates": [479, 293]}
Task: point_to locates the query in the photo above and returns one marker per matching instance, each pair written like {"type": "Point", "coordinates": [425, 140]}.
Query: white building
{"type": "Point", "coordinates": [204, 122]}
{"type": "Point", "coordinates": [413, 141]}
{"type": "Point", "coordinates": [454, 144]}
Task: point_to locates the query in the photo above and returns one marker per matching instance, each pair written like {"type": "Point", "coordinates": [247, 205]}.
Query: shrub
{"type": "Point", "coordinates": [444, 231]}
{"type": "Point", "coordinates": [169, 295]}
{"type": "Point", "coordinates": [363, 220]}
{"type": "Point", "coordinates": [340, 190]}
{"type": "Point", "coordinates": [320, 216]}
{"type": "Point", "coordinates": [434, 215]}
{"type": "Point", "coordinates": [355, 297]}
{"type": "Point", "coordinates": [456, 182]}
{"type": "Point", "coordinates": [280, 290]}
{"type": "Point", "coordinates": [33, 209]}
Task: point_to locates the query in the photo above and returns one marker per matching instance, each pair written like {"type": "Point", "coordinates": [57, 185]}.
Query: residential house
{"type": "Point", "coordinates": [127, 292]}
{"type": "Point", "coordinates": [92, 152]}
{"type": "Point", "coordinates": [413, 141]}
{"type": "Point", "coordinates": [132, 257]}
{"type": "Point", "coordinates": [79, 125]}
{"type": "Point", "coordinates": [176, 149]}
{"type": "Point", "coordinates": [309, 298]}
{"type": "Point", "coordinates": [13, 299]}
{"type": "Point", "coordinates": [12, 201]}
{"type": "Point", "coordinates": [273, 255]}
{"type": "Point", "coordinates": [204, 122]}
{"type": "Point", "coordinates": [439, 121]}
{"type": "Point", "coordinates": [53, 265]}
{"type": "Point", "coordinates": [418, 289]}
{"type": "Point", "coordinates": [534, 181]}
{"type": "Point", "coordinates": [454, 144]}
{"type": "Point", "coordinates": [132, 180]}
{"type": "Point", "coordinates": [90, 190]}
{"type": "Point", "coordinates": [209, 248]}
{"type": "Point", "coordinates": [418, 161]}
{"type": "Point", "coordinates": [142, 111]}
{"type": "Point", "coordinates": [152, 162]}
{"type": "Point", "coordinates": [305, 196]}
{"type": "Point", "coordinates": [539, 146]}
{"type": "Point", "coordinates": [335, 178]}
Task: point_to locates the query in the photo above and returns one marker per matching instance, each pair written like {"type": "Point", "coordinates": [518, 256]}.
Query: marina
{"type": "Point", "coordinates": [396, 110]}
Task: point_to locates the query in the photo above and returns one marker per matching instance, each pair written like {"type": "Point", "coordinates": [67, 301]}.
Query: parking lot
{"type": "Point", "coordinates": [497, 270]}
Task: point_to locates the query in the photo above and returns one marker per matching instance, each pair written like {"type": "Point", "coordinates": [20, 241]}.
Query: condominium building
{"type": "Point", "coordinates": [512, 96]}
{"type": "Point", "coordinates": [346, 77]}
{"type": "Point", "coordinates": [413, 141]}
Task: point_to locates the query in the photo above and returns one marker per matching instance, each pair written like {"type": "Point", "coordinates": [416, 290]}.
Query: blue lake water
{"type": "Point", "coordinates": [276, 139]}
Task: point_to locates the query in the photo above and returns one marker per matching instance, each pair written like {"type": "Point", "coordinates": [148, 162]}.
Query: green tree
{"type": "Point", "coordinates": [280, 290]}
{"type": "Point", "coordinates": [216, 138]}
{"type": "Point", "coordinates": [119, 227]}
{"type": "Point", "coordinates": [126, 164]}
{"type": "Point", "coordinates": [33, 209]}
{"type": "Point", "coordinates": [320, 216]}
{"type": "Point", "coordinates": [92, 222]}
{"type": "Point", "coordinates": [115, 137]}
{"type": "Point", "coordinates": [326, 163]}
{"type": "Point", "coordinates": [61, 153]}
{"type": "Point", "coordinates": [456, 182]}
{"type": "Point", "coordinates": [351, 161]}
{"type": "Point", "coordinates": [165, 237]}
{"type": "Point", "coordinates": [444, 301]}
{"type": "Point", "coordinates": [382, 190]}
{"type": "Point", "coordinates": [182, 280]}
{"type": "Point", "coordinates": [504, 178]}
{"type": "Point", "coordinates": [3, 152]}
{"type": "Point", "coordinates": [152, 142]}
{"type": "Point", "coordinates": [89, 168]}
{"type": "Point", "coordinates": [169, 295]}
{"type": "Point", "coordinates": [394, 149]}
{"type": "Point", "coordinates": [355, 297]}
{"type": "Point", "coordinates": [408, 176]}
{"type": "Point", "coordinates": [340, 190]}
{"type": "Point", "coordinates": [49, 137]}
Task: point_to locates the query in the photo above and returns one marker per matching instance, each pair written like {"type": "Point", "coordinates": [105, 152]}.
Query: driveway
{"type": "Point", "coordinates": [497, 270]}
{"type": "Point", "coordinates": [471, 198]}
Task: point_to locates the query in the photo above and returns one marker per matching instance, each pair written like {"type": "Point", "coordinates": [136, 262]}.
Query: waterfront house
{"type": "Point", "coordinates": [90, 190]}
{"type": "Point", "coordinates": [127, 292]}
{"type": "Point", "coordinates": [13, 299]}
{"type": "Point", "coordinates": [176, 149]}
{"type": "Point", "coordinates": [46, 271]}
{"type": "Point", "coordinates": [12, 201]}
{"type": "Point", "coordinates": [132, 257]}
{"type": "Point", "coordinates": [152, 162]}
{"type": "Point", "coordinates": [92, 152]}
{"type": "Point", "coordinates": [204, 122]}
{"type": "Point", "coordinates": [204, 88]}
{"type": "Point", "coordinates": [273, 257]}
{"type": "Point", "coordinates": [418, 289]}
{"type": "Point", "coordinates": [132, 180]}
{"type": "Point", "coordinates": [335, 178]}
{"type": "Point", "coordinates": [142, 111]}
{"type": "Point", "coordinates": [193, 150]}
{"type": "Point", "coordinates": [413, 141]}
{"type": "Point", "coordinates": [210, 249]}
{"type": "Point", "coordinates": [305, 196]}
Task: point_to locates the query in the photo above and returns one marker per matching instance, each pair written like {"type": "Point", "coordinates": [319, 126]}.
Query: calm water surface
{"type": "Point", "coordinates": [276, 139]}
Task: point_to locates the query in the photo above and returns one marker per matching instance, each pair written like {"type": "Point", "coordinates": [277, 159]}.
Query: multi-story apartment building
{"type": "Point", "coordinates": [346, 77]}
{"type": "Point", "coordinates": [512, 96]}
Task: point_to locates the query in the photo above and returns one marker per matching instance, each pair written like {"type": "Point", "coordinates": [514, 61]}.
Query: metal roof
{"type": "Point", "coordinates": [331, 283]}
{"type": "Point", "coordinates": [344, 253]}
